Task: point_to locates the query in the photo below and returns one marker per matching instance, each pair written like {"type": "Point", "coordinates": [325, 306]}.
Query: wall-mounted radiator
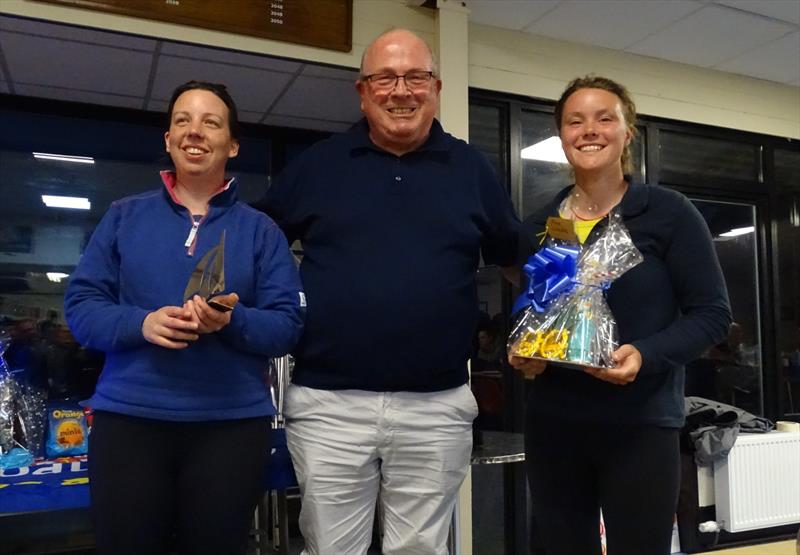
{"type": "Point", "coordinates": [758, 484]}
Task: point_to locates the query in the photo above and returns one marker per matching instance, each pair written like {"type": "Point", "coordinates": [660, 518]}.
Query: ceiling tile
{"type": "Point", "coordinates": [306, 123]}
{"type": "Point", "coordinates": [230, 57]}
{"type": "Point", "coordinates": [160, 106]}
{"type": "Point", "coordinates": [782, 54]}
{"type": "Point", "coordinates": [785, 10]}
{"type": "Point", "coordinates": [599, 23]}
{"type": "Point", "coordinates": [73, 95]}
{"type": "Point", "coordinates": [252, 89]}
{"type": "Point", "coordinates": [71, 32]}
{"type": "Point", "coordinates": [710, 36]}
{"type": "Point", "coordinates": [344, 74]}
{"type": "Point", "coordinates": [508, 14]}
{"type": "Point", "coordinates": [74, 65]}
{"type": "Point", "coordinates": [248, 116]}
{"type": "Point", "coordinates": [314, 97]}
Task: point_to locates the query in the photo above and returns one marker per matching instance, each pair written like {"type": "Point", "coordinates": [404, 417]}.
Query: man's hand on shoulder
{"type": "Point", "coordinates": [512, 274]}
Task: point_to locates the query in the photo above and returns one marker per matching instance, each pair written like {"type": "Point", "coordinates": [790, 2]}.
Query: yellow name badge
{"type": "Point", "coordinates": [561, 228]}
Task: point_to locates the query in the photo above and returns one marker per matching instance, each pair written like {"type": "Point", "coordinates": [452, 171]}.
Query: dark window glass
{"type": "Point", "coordinates": [704, 157]}
{"type": "Point", "coordinates": [787, 169]}
{"type": "Point", "coordinates": [488, 384]}
{"type": "Point", "coordinates": [545, 169]}
{"type": "Point", "coordinates": [494, 517]}
{"type": "Point", "coordinates": [638, 149]}
{"type": "Point", "coordinates": [788, 292]}
{"type": "Point", "coordinates": [731, 372]}
{"type": "Point", "coordinates": [486, 134]}
{"type": "Point", "coordinates": [787, 248]}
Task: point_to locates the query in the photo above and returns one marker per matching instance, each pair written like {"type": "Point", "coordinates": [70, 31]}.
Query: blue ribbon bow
{"type": "Point", "coordinates": [551, 272]}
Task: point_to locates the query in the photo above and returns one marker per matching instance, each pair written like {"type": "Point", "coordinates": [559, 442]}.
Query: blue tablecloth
{"type": "Point", "coordinates": [45, 486]}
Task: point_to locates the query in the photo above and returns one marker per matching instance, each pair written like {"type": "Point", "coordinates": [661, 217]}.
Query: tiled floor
{"type": "Point", "coordinates": [779, 548]}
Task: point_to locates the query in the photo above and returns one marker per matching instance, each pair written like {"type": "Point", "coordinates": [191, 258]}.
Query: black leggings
{"type": "Point", "coordinates": [152, 479]}
{"type": "Point", "coordinates": [574, 469]}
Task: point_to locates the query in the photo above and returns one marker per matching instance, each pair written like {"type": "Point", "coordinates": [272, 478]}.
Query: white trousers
{"type": "Point", "coordinates": [347, 446]}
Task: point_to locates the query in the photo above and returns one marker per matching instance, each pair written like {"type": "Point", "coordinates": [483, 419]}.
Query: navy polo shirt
{"type": "Point", "coordinates": [391, 245]}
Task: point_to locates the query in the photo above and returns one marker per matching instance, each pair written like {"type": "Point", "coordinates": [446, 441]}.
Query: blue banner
{"type": "Point", "coordinates": [45, 485]}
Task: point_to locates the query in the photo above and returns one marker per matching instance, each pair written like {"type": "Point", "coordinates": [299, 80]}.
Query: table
{"type": "Point", "coordinates": [493, 448]}
{"type": "Point", "coordinates": [498, 448]}
{"type": "Point", "coordinates": [44, 507]}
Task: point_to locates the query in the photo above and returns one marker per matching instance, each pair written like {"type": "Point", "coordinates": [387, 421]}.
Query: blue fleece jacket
{"type": "Point", "coordinates": [138, 261]}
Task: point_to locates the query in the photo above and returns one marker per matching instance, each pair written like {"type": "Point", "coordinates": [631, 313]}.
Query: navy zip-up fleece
{"type": "Point", "coordinates": [672, 307]}
{"type": "Point", "coordinates": [137, 261]}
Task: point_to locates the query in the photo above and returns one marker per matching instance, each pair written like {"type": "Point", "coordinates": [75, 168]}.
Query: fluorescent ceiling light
{"type": "Point", "coordinates": [79, 203]}
{"type": "Point", "coordinates": [738, 231]}
{"type": "Point", "coordinates": [548, 150]}
{"type": "Point", "coordinates": [64, 158]}
{"type": "Point", "coordinates": [56, 277]}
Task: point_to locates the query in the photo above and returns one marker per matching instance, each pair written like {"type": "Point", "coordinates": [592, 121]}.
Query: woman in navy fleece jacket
{"type": "Point", "coordinates": [181, 423]}
{"type": "Point", "coordinates": [608, 438]}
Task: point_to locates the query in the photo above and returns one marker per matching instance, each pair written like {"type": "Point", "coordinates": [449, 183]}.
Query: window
{"type": "Point", "coordinates": [787, 247]}
{"type": "Point", "coordinates": [787, 169]}
{"type": "Point", "coordinates": [731, 371]}
{"type": "Point", "coordinates": [707, 160]}
{"type": "Point", "coordinates": [498, 490]}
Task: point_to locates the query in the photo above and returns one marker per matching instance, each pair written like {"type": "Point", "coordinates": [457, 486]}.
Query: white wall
{"type": "Point", "coordinates": [518, 63]}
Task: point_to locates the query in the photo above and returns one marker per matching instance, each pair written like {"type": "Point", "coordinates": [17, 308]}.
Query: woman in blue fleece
{"type": "Point", "coordinates": [181, 423]}
{"type": "Point", "coordinates": [608, 438]}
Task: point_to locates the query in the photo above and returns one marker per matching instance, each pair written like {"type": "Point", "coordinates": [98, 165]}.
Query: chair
{"type": "Point", "coordinates": [271, 516]}
{"type": "Point", "coordinates": [738, 385]}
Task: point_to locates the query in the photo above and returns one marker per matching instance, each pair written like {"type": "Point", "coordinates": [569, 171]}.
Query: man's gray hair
{"type": "Point", "coordinates": [434, 61]}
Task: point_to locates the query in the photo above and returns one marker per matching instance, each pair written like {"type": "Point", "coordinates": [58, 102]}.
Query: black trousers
{"type": "Point", "coordinates": [190, 486]}
{"type": "Point", "coordinates": [574, 469]}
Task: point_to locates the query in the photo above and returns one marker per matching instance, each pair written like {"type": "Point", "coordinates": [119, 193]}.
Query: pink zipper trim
{"type": "Point", "coordinates": [170, 180]}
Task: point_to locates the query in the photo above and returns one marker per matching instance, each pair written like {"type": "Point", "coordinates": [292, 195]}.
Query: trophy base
{"type": "Point", "coordinates": [223, 303]}
{"type": "Point", "coordinates": [219, 306]}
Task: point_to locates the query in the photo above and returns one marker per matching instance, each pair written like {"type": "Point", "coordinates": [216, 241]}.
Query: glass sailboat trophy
{"type": "Point", "coordinates": [208, 279]}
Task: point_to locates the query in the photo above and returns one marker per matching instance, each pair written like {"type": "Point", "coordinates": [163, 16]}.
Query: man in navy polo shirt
{"type": "Point", "coordinates": [393, 216]}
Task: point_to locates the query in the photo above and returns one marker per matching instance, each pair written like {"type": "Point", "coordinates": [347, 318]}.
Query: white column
{"type": "Point", "coordinates": [452, 45]}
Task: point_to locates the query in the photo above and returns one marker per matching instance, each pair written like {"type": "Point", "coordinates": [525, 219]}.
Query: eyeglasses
{"type": "Point", "coordinates": [388, 81]}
